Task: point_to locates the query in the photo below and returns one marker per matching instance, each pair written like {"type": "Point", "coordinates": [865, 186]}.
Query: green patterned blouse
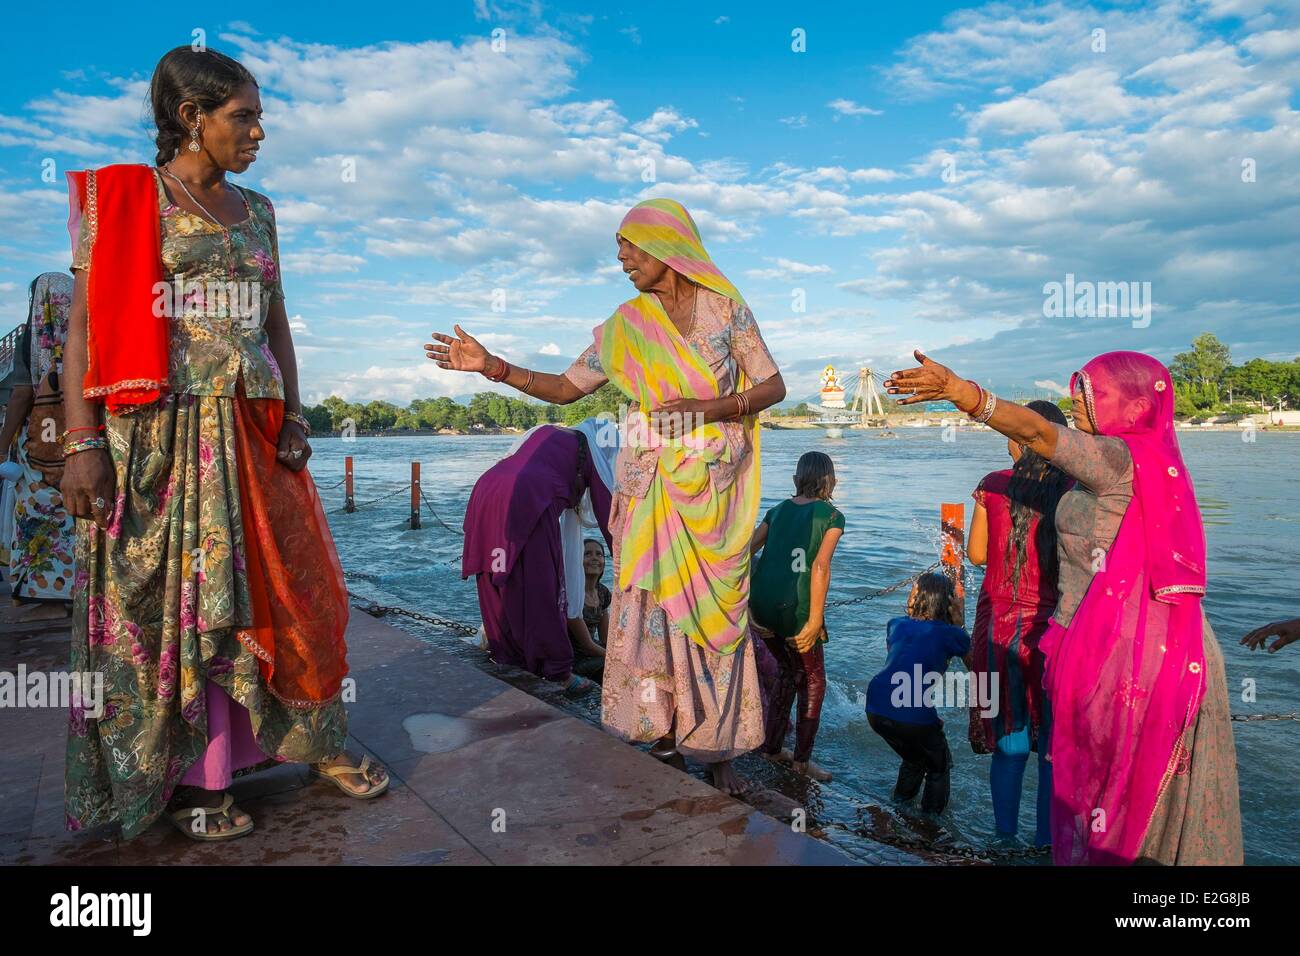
{"type": "Point", "coordinates": [218, 307]}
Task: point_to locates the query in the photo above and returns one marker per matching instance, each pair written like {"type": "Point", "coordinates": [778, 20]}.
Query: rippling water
{"type": "Point", "coordinates": [890, 491]}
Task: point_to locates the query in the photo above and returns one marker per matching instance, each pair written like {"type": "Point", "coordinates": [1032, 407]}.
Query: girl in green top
{"type": "Point", "coordinates": [787, 599]}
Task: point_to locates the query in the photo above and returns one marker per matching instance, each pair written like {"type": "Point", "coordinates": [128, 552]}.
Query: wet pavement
{"type": "Point", "coordinates": [483, 773]}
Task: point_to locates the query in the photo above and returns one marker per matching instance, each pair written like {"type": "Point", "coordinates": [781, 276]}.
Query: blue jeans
{"type": "Point", "coordinates": [1006, 778]}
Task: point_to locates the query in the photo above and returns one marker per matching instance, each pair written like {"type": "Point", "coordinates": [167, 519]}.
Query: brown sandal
{"type": "Point", "coordinates": [332, 774]}
{"type": "Point", "coordinates": [184, 818]}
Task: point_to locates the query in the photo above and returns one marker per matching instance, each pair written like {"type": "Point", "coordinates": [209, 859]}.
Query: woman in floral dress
{"type": "Point", "coordinates": [42, 539]}
{"type": "Point", "coordinates": [209, 594]}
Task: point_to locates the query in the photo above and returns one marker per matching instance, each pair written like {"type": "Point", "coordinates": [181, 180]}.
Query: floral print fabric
{"type": "Point", "coordinates": [213, 343]}
{"type": "Point", "coordinates": [161, 594]}
{"type": "Point", "coordinates": [41, 543]}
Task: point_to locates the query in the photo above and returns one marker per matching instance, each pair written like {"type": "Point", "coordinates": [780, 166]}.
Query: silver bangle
{"type": "Point", "coordinates": [990, 405]}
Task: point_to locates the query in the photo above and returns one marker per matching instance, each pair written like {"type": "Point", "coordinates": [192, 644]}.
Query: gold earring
{"type": "Point", "coordinates": [194, 138]}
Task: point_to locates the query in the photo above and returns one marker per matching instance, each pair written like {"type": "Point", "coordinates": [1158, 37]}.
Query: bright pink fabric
{"type": "Point", "coordinates": [231, 744]}
{"type": "Point", "coordinates": [1126, 678]}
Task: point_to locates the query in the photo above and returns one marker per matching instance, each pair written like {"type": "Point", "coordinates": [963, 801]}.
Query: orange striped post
{"type": "Point", "coordinates": [953, 521]}
{"type": "Point", "coordinates": [415, 496]}
{"type": "Point", "coordinates": [349, 505]}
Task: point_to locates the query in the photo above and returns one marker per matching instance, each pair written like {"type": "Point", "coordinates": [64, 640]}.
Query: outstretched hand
{"type": "Point", "coordinates": [931, 382]}
{"type": "Point", "coordinates": [462, 353]}
{"type": "Point", "coordinates": [1287, 632]}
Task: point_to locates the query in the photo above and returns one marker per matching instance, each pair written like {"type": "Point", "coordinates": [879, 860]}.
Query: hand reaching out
{"type": "Point", "coordinates": [931, 382]}
{"type": "Point", "coordinates": [1287, 632]}
{"type": "Point", "coordinates": [462, 353]}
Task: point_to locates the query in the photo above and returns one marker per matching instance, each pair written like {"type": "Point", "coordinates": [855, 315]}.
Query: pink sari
{"type": "Point", "coordinates": [1126, 678]}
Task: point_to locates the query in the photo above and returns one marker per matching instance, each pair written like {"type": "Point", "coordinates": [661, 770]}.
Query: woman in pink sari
{"type": "Point", "coordinates": [1143, 763]}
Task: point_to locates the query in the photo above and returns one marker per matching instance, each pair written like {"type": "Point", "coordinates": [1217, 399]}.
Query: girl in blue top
{"type": "Point", "coordinates": [898, 707]}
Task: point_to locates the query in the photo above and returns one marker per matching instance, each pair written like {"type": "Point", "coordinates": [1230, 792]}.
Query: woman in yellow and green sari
{"type": "Point", "coordinates": [679, 667]}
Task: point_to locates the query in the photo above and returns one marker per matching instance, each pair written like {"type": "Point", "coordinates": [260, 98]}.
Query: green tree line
{"type": "Point", "coordinates": [485, 411]}
{"type": "Point", "coordinates": [1206, 382]}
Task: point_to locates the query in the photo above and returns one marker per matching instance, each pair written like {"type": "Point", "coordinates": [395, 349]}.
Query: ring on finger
{"type": "Point", "coordinates": [99, 504]}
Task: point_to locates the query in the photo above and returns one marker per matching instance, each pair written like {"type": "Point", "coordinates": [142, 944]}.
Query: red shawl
{"type": "Point", "coordinates": [126, 337]}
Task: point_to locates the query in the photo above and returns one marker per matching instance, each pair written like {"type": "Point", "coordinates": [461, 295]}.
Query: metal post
{"type": "Point", "coordinates": [953, 522]}
{"type": "Point", "coordinates": [415, 496]}
{"type": "Point", "coordinates": [348, 504]}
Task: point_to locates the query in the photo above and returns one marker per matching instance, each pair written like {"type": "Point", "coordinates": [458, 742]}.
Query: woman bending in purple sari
{"type": "Point", "coordinates": [1143, 763]}
{"type": "Point", "coordinates": [514, 544]}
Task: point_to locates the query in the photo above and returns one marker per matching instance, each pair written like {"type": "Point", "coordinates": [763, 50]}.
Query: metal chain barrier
{"type": "Point", "coordinates": [380, 610]}
{"type": "Point", "coordinates": [428, 504]}
{"type": "Point", "coordinates": [872, 595]}
{"type": "Point", "coordinates": [365, 504]}
{"type": "Point", "coordinates": [938, 847]}
{"type": "Point", "coordinates": [1254, 718]}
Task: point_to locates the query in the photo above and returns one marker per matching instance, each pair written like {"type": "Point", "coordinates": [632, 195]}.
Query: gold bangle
{"type": "Point", "coordinates": [299, 420]}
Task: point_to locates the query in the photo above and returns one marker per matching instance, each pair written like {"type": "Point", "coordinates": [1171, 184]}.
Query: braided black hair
{"type": "Point", "coordinates": [1035, 490]}
{"type": "Point", "coordinates": [204, 77]}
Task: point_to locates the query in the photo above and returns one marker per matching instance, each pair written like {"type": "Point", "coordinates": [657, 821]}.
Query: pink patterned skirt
{"type": "Point", "coordinates": [657, 679]}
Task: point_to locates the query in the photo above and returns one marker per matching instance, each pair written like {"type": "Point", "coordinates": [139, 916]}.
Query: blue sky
{"type": "Point", "coordinates": [482, 169]}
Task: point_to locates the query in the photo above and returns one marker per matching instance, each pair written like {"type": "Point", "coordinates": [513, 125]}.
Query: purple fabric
{"type": "Point", "coordinates": [525, 611]}
{"type": "Point", "coordinates": [1126, 678]}
{"type": "Point", "coordinates": [231, 744]}
{"type": "Point", "coordinates": [512, 545]}
{"type": "Point", "coordinates": [801, 676]}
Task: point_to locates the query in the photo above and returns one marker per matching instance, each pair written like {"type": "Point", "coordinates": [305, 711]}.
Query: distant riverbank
{"type": "Point", "coordinates": [780, 424]}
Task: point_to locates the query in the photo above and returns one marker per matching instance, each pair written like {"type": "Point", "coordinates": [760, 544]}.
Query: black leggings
{"type": "Point", "coordinates": [802, 675]}
{"type": "Point", "coordinates": [926, 758]}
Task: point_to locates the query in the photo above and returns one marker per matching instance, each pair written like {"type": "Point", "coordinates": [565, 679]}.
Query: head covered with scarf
{"type": "Point", "coordinates": [687, 540]}
{"type": "Point", "coordinates": [1127, 676]}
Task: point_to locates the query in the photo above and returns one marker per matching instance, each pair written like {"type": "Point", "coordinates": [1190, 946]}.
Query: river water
{"type": "Point", "coordinates": [890, 492]}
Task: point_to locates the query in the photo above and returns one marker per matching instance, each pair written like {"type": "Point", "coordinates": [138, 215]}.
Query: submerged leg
{"type": "Point", "coordinates": [1006, 780]}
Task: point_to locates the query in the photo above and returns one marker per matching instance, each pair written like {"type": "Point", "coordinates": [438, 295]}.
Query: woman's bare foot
{"type": "Point", "coordinates": [783, 757]}
{"type": "Point", "coordinates": [726, 780]}
{"type": "Point", "coordinates": [355, 783]}
{"type": "Point", "coordinates": [195, 797]}
{"type": "Point", "coordinates": [810, 769]}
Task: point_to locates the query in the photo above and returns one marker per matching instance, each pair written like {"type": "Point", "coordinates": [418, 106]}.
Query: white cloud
{"type": "Point", "coordinates": [788, 269]}
{"type": "Point", "coordinates": [845, 107]}
{"type": "Point", "coordinates": [480, 172]}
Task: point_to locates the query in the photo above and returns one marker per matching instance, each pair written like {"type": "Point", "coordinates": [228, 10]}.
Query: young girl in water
{"type": "Point", "coordinates": [788, 601]}
{"type": "Point", "coordinates": [919, 646]}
